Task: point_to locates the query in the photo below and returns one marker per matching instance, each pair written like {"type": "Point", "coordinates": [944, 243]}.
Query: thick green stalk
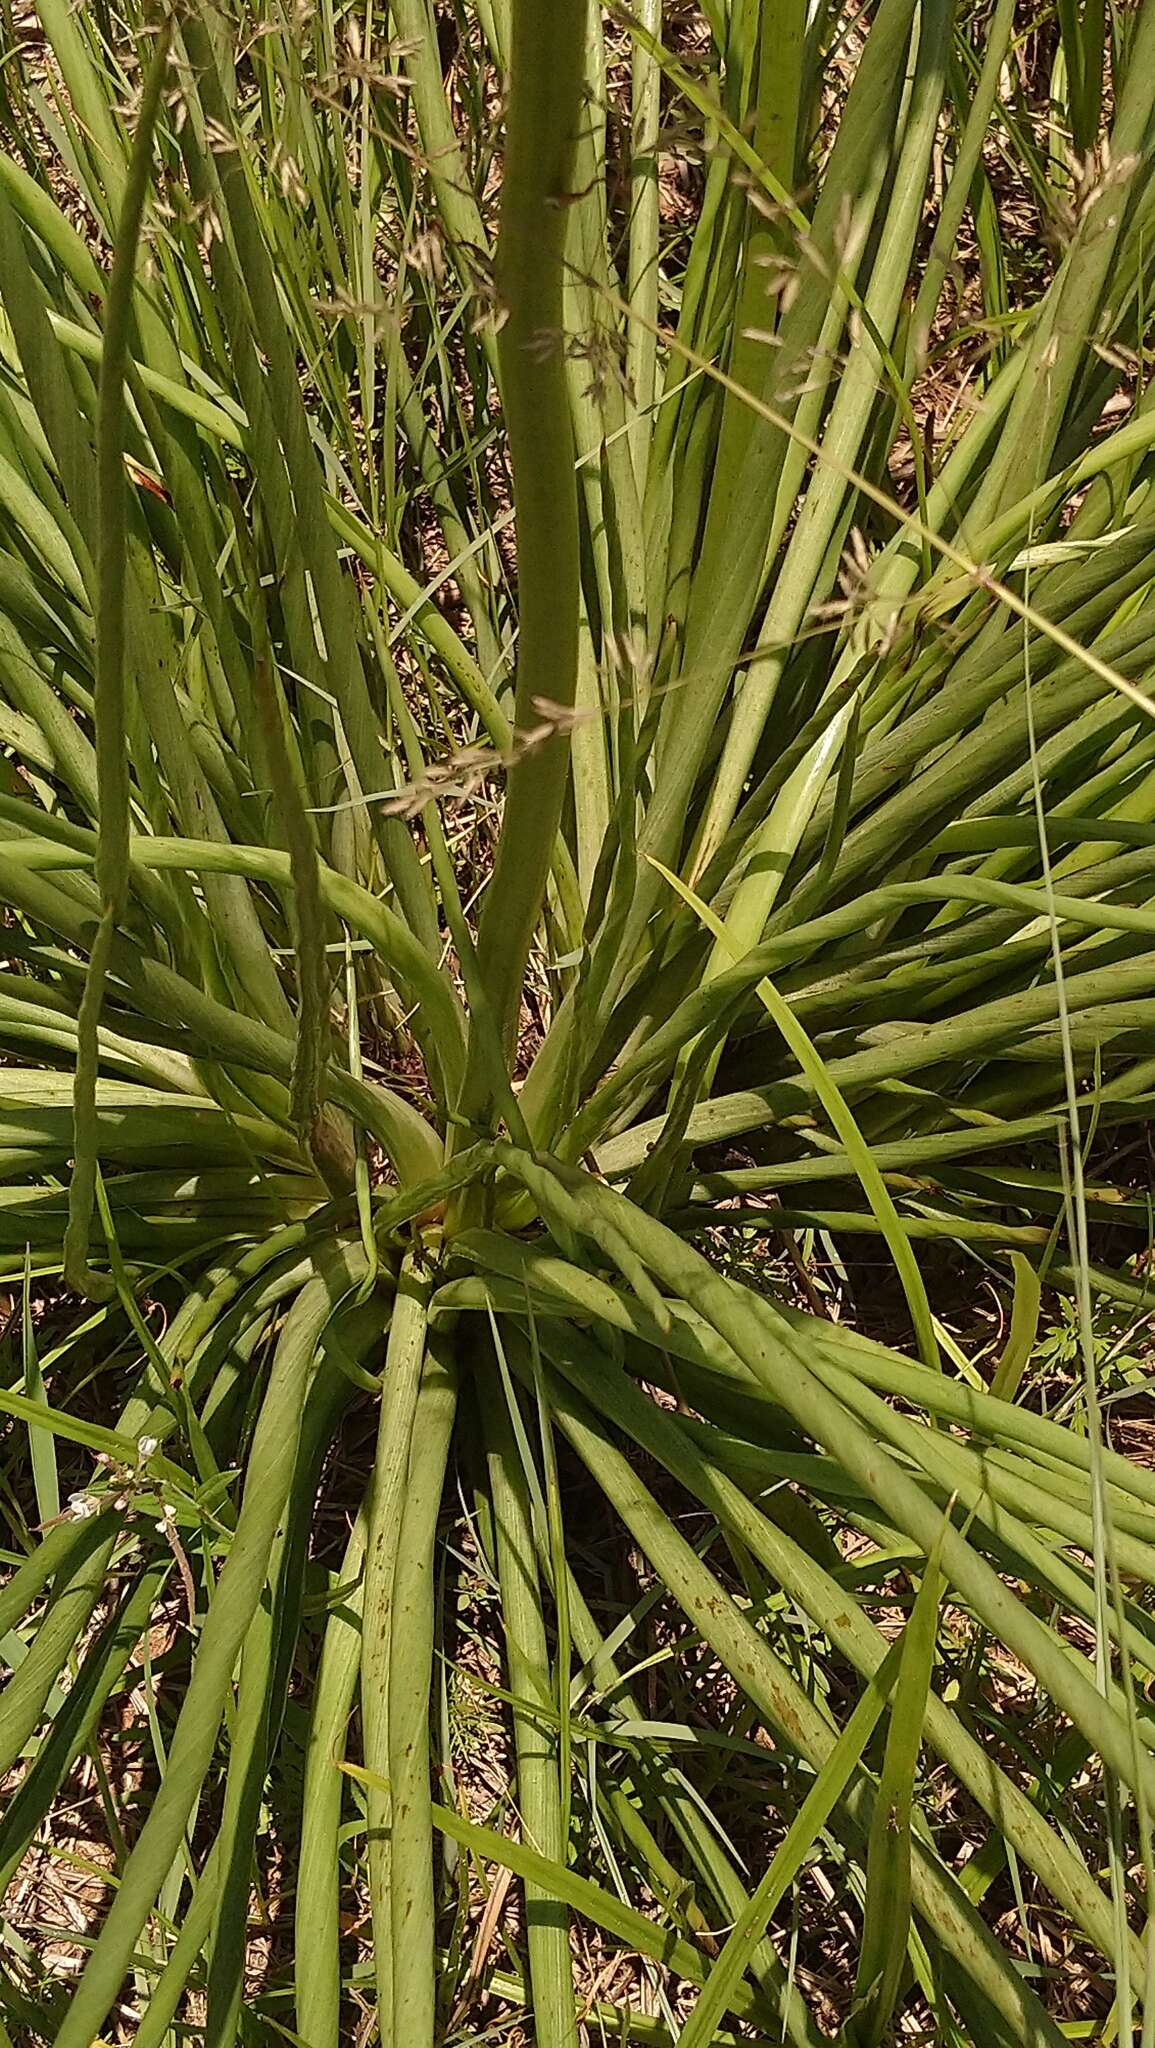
{"type": "Point", "coordinates": [412, 1904]}
{"type": "Point", "coordinates": [399, 1391]}
{"type": "Point", "coordinates": [546, 78]}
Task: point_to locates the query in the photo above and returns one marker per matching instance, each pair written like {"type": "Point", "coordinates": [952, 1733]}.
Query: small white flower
{"type": "Point", "coordinates": [147, 1445]}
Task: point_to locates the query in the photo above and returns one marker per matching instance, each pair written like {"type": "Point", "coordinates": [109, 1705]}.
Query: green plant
{"type": "Point", "coordinates": [271, 1081]}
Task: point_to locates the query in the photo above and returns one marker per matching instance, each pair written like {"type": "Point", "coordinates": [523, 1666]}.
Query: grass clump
{"type": "Point", "coordinates": [528, 772]}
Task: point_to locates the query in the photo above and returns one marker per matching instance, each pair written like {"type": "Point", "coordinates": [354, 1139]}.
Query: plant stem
{"type": "Point", "coordinates": [548, 41]}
